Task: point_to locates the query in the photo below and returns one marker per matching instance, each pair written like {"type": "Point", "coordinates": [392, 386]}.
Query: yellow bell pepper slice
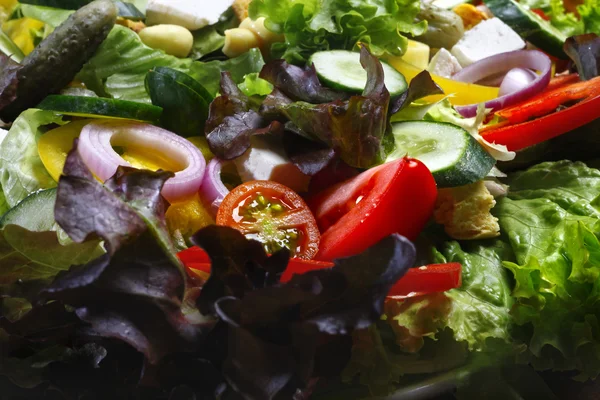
{"type": "Point", "coordinates": [463, 93]}
{"type": "Point", "coordinates": [54, 146]}
{"type": "Point", "coordinates": [187, 216]}
{"type": "Point", "coordinates": [21, 32]}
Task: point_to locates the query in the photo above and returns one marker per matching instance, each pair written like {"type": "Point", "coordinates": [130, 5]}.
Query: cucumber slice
{"type": "Point", "coordinates": [452, 155]}
{"type": "Point", "coordinates": [35, 212]}
{"type": "Point", "coordinates": [529, 26]}
{"type": "Point", "coordinates": [341, 69]}
{"type": "Point", "coordinates": [96, 107]}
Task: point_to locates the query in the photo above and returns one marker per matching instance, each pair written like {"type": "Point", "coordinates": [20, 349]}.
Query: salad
{"type": "Point", "coordinates": [293, 199]}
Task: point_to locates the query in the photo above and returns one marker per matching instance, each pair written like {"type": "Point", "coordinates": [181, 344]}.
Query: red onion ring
{"type": "Point", "coordinates": [530, 59]}
{"type": "Point", "coordinates": [95, 147]}
{"type": "Point", "coordinates": [515, 80]}
{"type": "Point", "coordinates": [213, 191]}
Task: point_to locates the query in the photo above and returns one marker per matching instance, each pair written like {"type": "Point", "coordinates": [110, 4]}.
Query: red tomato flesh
{"type": "Point", "coordinates": [274, 215]}
{"type": "Point", "coordinates": [396, 197]}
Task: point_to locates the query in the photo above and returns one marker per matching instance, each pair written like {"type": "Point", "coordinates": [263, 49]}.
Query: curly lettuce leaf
{"type": "Point", "coordinates": [552, 220]}
{"type": "Point", "coordinates": [119, 67]}
{"type": "Point", "coordinates": [589, 13]}
{"type": "Point", "coordinates": [311, 25]}
{"type": "Point", "coordinates": [21, 169]}
{"type": "Point", "coordinates": [438, 331]}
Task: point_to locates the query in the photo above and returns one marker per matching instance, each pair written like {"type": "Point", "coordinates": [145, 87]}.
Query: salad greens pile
{"type": "Point", "coordinates": [96, 303]}
{"type": "Point", "coordinates": [309, 26]}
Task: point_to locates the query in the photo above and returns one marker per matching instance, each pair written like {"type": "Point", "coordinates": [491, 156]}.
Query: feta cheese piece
{"type": "Point", "coordinates": [191, 14]}
{"type": "Point", "coordinates": [444, 64]}
{"type": "Point", "coordinates": [265, 160]}
{"type": "Point", "coordinates": [486, 39]}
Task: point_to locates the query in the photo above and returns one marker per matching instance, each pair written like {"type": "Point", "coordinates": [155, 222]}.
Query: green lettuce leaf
{"type": "Point", "coordinates": [21, 169]}
{"type": "Point", "coordinates": [566, 22]}
{"type": "Point", "coordinates": [32, 246]}
{"type": "Point", "coordinates": [437, 332]}
{"type": "Point", "coordinates": [255, 86]}
{"type": "Point", "coordinates": [552, 220]}
{"type": "Point", "coordinates": [120, 65]}
{"type": "Point", "coordinates": [589, 12]}
{"type": "Point", "coordinates": [49, 15]}
{"type": "Point", "coordinates": [311, 25]}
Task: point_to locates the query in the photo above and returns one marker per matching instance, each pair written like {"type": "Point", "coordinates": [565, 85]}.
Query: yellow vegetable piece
{"type": "Point", "coordinates": [21, 32]}
{"type": "Point", "coordinates": [463, 93]}
{"type": "Point", "coordinates": [54, 146]}
{"type": "Point", "coordinates": [417, 54]}
{"type": "Point", "coordinates": [188, 217]}
{"type": "Point", "coordinates": [6, 8]}
{"type": "Point", "coordinates": [470, 15]}
{"type": "Point", "coordinates": [201, 143]}
{"type": "Point", "coordinates": [144, 159]}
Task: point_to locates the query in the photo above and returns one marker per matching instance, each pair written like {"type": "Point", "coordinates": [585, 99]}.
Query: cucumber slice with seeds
{"type": "Point", "coordinates": [341, 69]}
{"type": "Point", "coordinates": [97, 107]}
{"type": "Point", "coordinates": [452, 155]}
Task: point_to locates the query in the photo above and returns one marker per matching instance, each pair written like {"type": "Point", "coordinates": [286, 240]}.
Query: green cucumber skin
{"type": "Point", "coordinates": [473, 165]}
{"type": "Point", "coordinates": [101, 107]}
{"type": "Point", "coordinates": [43, 200]}
{"type": "Point", "coordinates": [512, 16]}
{"type": "Point", "coordinates": [339, 86]}
{"type": "Point", "coordinates": [54, 63]}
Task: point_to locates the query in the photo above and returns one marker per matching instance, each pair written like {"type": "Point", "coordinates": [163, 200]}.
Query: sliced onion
{"type": "Point", "coordinates": [515, 80]}
{"type": "Point", "coordinates": [531, 59]}
{"type": "Point", "coordinates": [96, 148]}
{"type": "Point", "coordinates": [213, 191]}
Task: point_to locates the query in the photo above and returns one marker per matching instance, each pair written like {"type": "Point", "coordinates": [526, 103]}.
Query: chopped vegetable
{"type": "Point", "coordinates": [272, 214]}
{"type": "Point", "coordinates": [97, 138]}
{"type": "Point", "coordinates": [517, 132]}
{"type": "Point", "coordinates": [56, 61]}
{"type": "Point", "coordinates": [396, 197]}
{"type": "Point", "coordinates": [452, 155]}
{"type": "Point", "coordinates": [311, 26]}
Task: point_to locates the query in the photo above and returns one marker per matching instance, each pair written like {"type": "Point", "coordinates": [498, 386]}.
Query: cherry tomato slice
{"type": "Point", "coordinates": [416, 281]}
{"type": "Point", "coordinates": [396, 197]}
{"type": "Point", "coordinates": [274, 215]}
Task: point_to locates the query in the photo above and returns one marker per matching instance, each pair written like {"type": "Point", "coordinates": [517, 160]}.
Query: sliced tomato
{"type": "Point", "coordinates": [416, 281]}
{"type": "Point", "coordinates": [274, 215]}
{"type": "Point", "coordinates": [396, 197]}
{"type": "Point", "coordinates": [536, 120]}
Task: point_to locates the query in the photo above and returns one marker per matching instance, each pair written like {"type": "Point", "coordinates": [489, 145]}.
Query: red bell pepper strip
{"type": "Point", "coordinates": [518, 133]}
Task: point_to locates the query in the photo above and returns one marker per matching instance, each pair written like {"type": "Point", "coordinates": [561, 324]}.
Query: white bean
{"type": "Point", "coordinates": [172, 39]}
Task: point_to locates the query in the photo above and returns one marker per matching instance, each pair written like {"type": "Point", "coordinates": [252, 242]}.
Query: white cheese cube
{"type": "Point", "coordinates": [486, 39]}
{"type": "Point", "coordinates": [267, 161]}
{"type": "Point", "coordinates": [191, 14]}
{"type": "Point", "coordinates": [444, 64]}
